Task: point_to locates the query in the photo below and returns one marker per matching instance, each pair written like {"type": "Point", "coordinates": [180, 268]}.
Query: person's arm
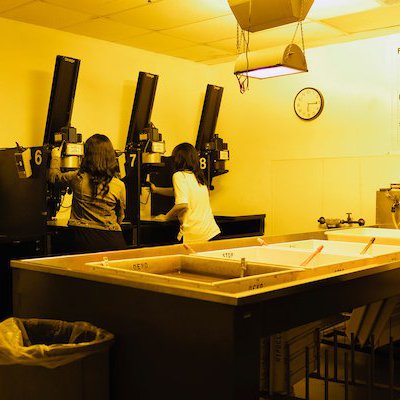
{"type": "Point", "coordinates": [122, 205]}
{"type": "Point", "coordinates": [180, 190]}
{"type": "Point", "coordinates": [55, 162]}
{"type": "Point", "coordinates": [163, 191]}
{"type": "Point", "coordinates": [173, 213]}
{"type": "Point", "coordinates": [176, 211]}
{"type": "Point", "coordinates": [55, 174]}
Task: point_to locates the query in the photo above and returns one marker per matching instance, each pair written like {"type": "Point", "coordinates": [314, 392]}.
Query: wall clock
{"type": "Point", "coordinates": [308, 103]}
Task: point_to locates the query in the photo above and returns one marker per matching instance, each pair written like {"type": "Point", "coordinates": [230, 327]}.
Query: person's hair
{"type": "Point", "coordinates": [100, 163]}
{"type": "Point", "coordinates": [186, 159]}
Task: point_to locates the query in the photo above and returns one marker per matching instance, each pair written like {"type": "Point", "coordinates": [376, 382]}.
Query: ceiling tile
{"type": "Point", "coordinates": [100, 7]}
{"type": "Point", "coordinates": [220, 60]}
{"type": "Point", "coordinates": [210, 30]}
{"type": "Point", "coordinates": [155, 42]}
{"type": "Point", "coordinates": [202, 30]}
{"type": "Point", "coordinates": [173, 13]}
{"type": "Point", "coordinates": [226, 44]}
{"type": "Point", "coordinates": [8, 4]}
{"type": "Point", "coordinates": [367, 20]}
{"type": "Point", "coordinates": [325, 9]}
{"type": "Point", "coordinates": [44, 14]}
{"type": "Point", "coordinates": [105, 29]}
{"type": "Point", "coordinates": [198, 53]}
{"type": "Point", "coordinates": [283, 35]}
{"type": "Point", "coordinates": [316, 33]}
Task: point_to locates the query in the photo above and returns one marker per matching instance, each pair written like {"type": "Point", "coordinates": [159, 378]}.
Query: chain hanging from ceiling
{"type": "Point", "coordinates": [243, 45]}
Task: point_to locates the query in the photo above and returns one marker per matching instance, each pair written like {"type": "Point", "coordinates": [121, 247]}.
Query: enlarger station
{"type": "Point", "coordinates": [213, 152]}
{"type": "Point", "coordinates": [142, 159]}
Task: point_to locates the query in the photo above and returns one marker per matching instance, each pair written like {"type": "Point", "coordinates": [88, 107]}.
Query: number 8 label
{"type": "Point", "coordinates": [203, 163]}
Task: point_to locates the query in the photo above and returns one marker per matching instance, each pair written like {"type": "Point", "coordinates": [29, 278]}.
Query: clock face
{"type": "Point", "coordinates": [308, 103]}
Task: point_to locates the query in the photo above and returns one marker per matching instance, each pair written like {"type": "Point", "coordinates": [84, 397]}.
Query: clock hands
{"type": "Point", "coordinates": [308, 105]}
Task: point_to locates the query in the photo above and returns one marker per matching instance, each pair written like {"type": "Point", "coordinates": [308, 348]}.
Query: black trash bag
{"type": "Point", "coordinates": [49, 343]}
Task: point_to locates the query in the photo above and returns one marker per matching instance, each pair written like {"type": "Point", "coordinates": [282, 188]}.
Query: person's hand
{"type": "Point", "coordinates": [160, 217]}
{"type": "Point", "coordinates": [153, 187]}
{"type": "Point", "coordinates": [56, 151]}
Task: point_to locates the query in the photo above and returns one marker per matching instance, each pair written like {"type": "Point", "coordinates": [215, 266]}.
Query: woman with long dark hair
{"type": "Point", "coordinates": [99, 197]}
{"type": "Point", "coordinates": [192, 201]}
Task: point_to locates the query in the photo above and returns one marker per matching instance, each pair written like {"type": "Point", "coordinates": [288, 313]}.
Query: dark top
{"type": "Point", "coordinates": [99, 212]}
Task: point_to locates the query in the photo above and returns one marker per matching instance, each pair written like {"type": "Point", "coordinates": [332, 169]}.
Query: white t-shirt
{"type": "Point", "coordinates": [197, 223]}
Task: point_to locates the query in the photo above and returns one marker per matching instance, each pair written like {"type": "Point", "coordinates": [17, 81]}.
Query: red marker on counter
{"type": "Point", "coordinates": [188, 248]}
{"type": "Point", "coordinates": [369, 244]}
{"type": "Point", "coordinates": [317, 251]}
{"type": "Point", "coordinates": [262, 242]}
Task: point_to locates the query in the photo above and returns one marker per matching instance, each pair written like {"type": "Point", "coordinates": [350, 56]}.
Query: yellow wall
{"type": "Point", "coordinates": [294, 171]}
{"type": "Point", "coordinates": [105, 90]}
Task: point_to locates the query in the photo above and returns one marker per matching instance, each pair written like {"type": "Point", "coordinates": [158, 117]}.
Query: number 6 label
{"type": "Point", "coordinates": [38, 157]}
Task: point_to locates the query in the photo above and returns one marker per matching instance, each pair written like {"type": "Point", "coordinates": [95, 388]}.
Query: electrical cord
{"type": "Point", "coordinates": [147, 145]}
{"type": "Point", "coordinates": [147, 199]}
{"type": "Point", "coordinates": [63, 197]}
{"type": "Point", "coordinates": [396, 225]}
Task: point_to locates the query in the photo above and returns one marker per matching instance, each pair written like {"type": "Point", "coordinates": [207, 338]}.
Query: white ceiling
{"type": "Point", "coordinates": [201, 30]}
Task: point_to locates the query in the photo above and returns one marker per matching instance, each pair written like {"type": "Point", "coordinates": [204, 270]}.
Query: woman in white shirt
{"type": "Point", "coordinates": [192, 201]}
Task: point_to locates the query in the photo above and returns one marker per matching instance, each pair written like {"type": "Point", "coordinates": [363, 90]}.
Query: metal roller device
{"type": "Point", "coordinates": [387, 206]}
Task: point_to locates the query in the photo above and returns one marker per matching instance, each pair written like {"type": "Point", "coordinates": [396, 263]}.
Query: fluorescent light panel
{"type": "Point", "coordinates": [270, 72]}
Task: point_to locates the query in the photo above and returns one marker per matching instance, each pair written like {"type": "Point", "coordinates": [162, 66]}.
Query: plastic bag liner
{"type": "Point", "coordinates": [49, 343]}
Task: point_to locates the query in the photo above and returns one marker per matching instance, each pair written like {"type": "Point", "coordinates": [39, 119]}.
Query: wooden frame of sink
{"type": "Point", "coordinates": [199, 272]}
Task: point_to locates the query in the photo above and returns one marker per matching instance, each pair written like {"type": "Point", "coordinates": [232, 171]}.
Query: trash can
{"type": "Point", "coordinates": [51, 359]}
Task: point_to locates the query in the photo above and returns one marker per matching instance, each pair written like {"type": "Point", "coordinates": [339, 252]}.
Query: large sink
{"type": "Point", "coordinates": [338, 247]}
{"type": "Point", "coordinates": [233, 270]}
{"type": "Point", "coordinates": [381, 235]}
{"type": "Point", "coordinates": [288, 257]}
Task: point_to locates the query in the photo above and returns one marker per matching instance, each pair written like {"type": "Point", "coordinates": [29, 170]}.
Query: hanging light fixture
{"type": "Point", "coordinates": [272, 62]}
{"type": "Point", "coordinates": [257, 15]}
